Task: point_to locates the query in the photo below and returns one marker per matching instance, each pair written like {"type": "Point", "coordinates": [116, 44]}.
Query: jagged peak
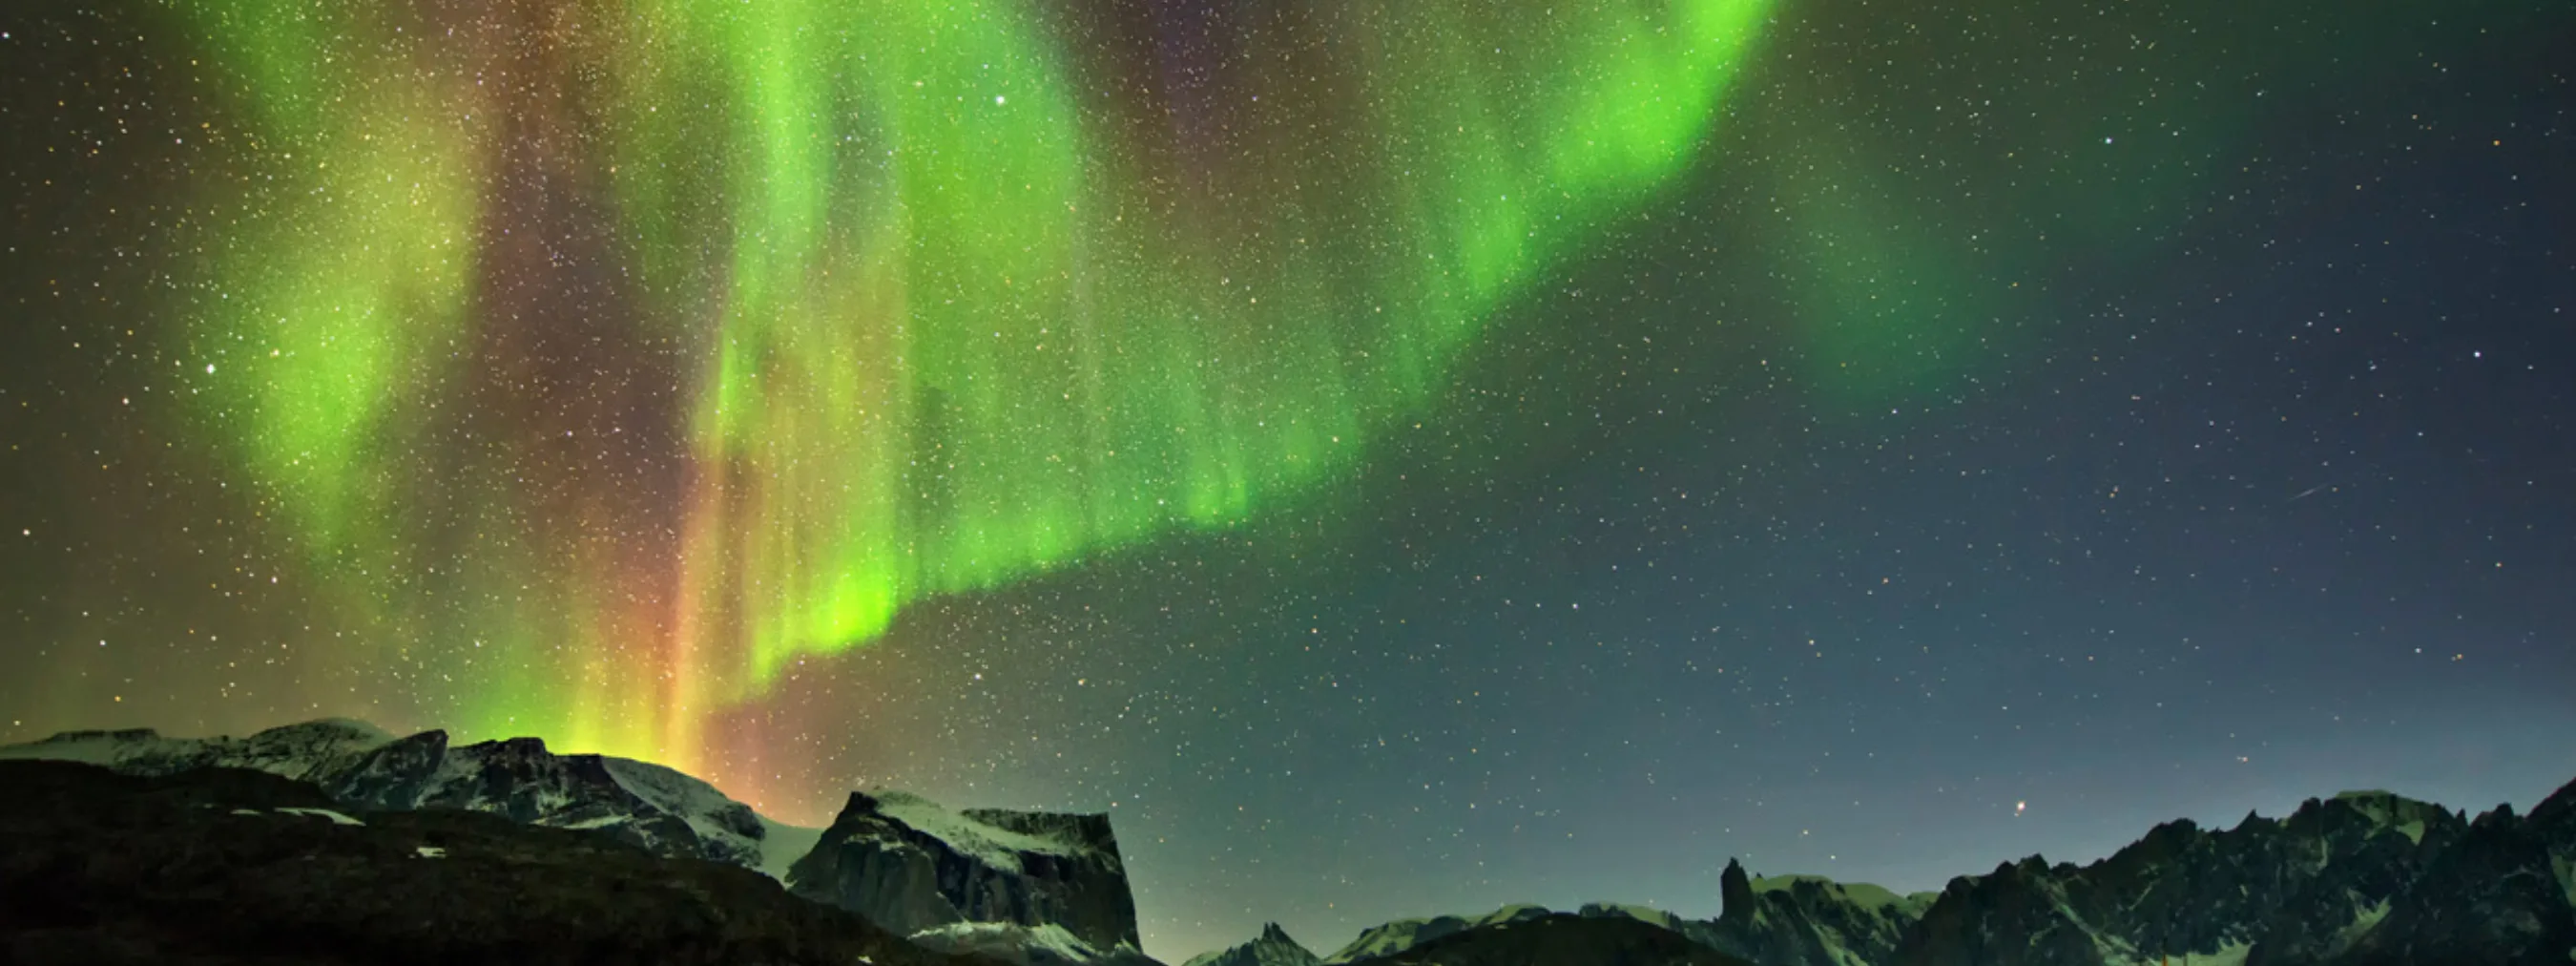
{"type": "Point", "coordinates": [2502, 814]}
{"type": "Point", "coordinates": [2179, 826]}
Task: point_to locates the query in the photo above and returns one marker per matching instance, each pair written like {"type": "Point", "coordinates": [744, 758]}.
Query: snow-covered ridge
{"type": "Point", "coordinates": [298, 751]}
{"type": "Point", "coordinates": [368, 768]}
{"type": "Point", "coordinates": [966, 834]}
{"type": "Point", "coordinates": [1047, 943]}
{"type": "Point", "coordinates": [782, 845]}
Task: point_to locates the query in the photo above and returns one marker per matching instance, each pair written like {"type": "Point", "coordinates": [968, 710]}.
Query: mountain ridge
{"type": "Point", "coordinates": [1028, 888]}
{"type": "Point", "coordinates": [2360, 878]}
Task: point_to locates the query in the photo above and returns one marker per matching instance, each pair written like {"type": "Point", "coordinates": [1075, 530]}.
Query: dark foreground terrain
{"type": "Point", "coordinates": [218, 866]}
{"type": "Point", "coordinates": [1562, 939]}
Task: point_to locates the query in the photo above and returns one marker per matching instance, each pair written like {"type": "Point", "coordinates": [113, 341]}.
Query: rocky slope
{"type": "Point", "coordinates": [220, 865]}
{"type": "Point", "coordinates": [1271, 948]}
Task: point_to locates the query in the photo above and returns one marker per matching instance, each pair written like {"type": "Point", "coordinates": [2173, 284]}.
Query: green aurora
{"type": "Point", "coordinates": [945, 316]}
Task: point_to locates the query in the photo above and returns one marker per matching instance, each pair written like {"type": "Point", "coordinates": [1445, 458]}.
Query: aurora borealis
{"type": "Point", "coordinates": [934, 317]}
{"type": "Point", "coordinates": [1397, 457]}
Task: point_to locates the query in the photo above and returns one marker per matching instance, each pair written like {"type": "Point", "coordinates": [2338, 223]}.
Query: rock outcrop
{"type": "Point", "coordinates": [1807, 920]}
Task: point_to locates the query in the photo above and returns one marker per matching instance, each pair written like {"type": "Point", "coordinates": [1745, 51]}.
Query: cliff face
{"type": "Point", "coordinates": [908, 864]}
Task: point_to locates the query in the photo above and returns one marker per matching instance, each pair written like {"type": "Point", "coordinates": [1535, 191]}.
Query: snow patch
{"type": "Point", "coordinates": [102, 748]}
{"type": "Point", "coordinates": [1513, 912]}
{"type": "Point", "coordinates": [998, 936]}
{"type": "Point", "coordinates": [294, 751]}
{"type": "Point", "coordinates": [782, 844]}
{"type": "Point", "coordinates": [2362, 923]}
{"type": "Point", "coordinates": [694, 801]}
{"type": "Point", "coordinates": [2231, 954]}
{"type": "Point", "coordinates": [991, 845]}
{"type": "Point", "coordinates": [2564, 867]}
{"type": "Point", "coordinates": [335, 817]}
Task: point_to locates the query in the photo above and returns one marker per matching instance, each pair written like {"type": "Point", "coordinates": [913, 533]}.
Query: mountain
{"type": "Point", "coordinates": [2504, 890]}
{"type": "Point", "coordinates": [1403, 934]}
{"type": "Point", "coordinates": [646, 805]}
{"type": "Point", "coordinates": [2303, 889]}
{"type": "Point", "coordinates": [1030, 888]}
{"type": "Point", "coordinates": [1271, 948]}
{"type": "Point", "coordinates": [1558, 939]}
{"type": "Point", "coordinates": [2361, 879]}
{"type": "Point", "coordinates": [225, 865]}
{"type": "Point", "coordinates": [209, 850]}
{"type": "Point", "coordinates": [1807, 920]}
{"type": "Point", "coordinates": [914, 866]}
{"type": "Point", "coordinates": [1781, 921]}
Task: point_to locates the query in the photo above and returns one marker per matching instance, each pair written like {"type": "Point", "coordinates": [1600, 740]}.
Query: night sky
{"type": "Point", "coordinates": [1396, 459]}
